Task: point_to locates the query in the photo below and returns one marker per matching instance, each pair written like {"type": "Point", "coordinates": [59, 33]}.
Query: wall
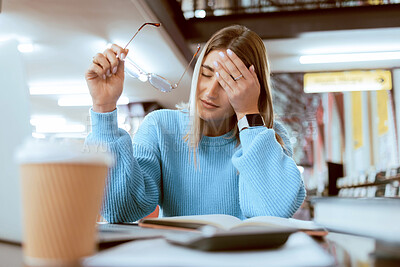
{"type": "Point", "coordinates": [14, 127]}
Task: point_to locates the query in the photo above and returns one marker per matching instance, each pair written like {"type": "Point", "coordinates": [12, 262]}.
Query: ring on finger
{"type": "Point", "coordinates": [238, 78]}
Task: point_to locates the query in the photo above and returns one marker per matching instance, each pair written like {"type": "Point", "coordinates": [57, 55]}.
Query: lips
{"type": "Point", "coordinates": [208, 104]}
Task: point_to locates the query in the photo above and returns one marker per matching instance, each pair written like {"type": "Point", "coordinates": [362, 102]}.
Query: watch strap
{"type": "Point", "coordinates": [250, 120]}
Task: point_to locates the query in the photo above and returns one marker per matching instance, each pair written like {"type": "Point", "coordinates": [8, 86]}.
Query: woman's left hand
{"type": "Point", "coordinates": [239, 82]}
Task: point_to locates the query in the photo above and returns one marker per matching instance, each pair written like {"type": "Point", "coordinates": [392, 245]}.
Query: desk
{"type": "Point", "coordinates": [348, 250]}
{"type": "Point", "coordinates": [10, 255]}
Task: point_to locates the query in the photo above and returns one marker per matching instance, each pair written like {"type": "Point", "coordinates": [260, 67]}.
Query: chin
{"type": "Point", "coordinates": [218, 114]}
{"type": "Point", "coordinates": [213, 115]}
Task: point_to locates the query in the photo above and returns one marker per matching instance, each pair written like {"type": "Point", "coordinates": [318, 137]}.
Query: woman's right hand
{"type": "Point", "coordinates": [105, 78]}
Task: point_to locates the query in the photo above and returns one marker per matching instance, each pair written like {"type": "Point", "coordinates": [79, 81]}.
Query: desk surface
{"type": "Point", "coordinates": [347, 250]}
{"type": "Point", "coordinates": [10, 255]}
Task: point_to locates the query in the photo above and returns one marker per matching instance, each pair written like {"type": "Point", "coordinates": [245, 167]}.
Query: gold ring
{"type": "Point", "coordinates": [238, 77]}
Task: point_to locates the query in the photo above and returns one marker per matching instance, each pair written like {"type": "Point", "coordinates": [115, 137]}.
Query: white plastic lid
{"type": "Point", "coordinates": [65, 151]}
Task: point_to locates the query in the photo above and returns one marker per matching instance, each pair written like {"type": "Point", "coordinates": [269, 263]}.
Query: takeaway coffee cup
{"type": "Point", "coordinates": [62, 189]}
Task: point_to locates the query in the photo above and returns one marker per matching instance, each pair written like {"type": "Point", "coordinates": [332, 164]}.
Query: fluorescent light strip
{"type": "Point", "coordinates": [25, 48]}
{"type": "Point", "coordinates": [58, 89]}
{"type": "Point", "coordinates": [301, 169]}
{"type": "Point", "coordinates": [73, 88]}
{"type": "Point", "coordinates": [54, 120]}
{"type": "Point", "coordinates": [71, 128]}
{"type": "Point", "coordinates": [85, 100]}
{"type": "Point", "coordinates": [54, 124]}
{"type": "Point", "coordinates": [38, 135]}
{"type": "Point", "coordinates": [79, 136]}
{"type": "Point", "coordinates": [353, 57]}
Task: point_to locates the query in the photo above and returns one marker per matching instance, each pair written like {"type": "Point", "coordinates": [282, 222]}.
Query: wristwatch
{"type": "Point", "coordinates": [250, 120]}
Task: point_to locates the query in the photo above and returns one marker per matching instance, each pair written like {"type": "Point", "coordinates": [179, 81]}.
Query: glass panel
{"type": "Point", "coordinates": [160, 83]}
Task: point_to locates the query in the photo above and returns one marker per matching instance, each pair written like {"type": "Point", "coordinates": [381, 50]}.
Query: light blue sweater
{"type": "Point", "coordinates": [256, 178]}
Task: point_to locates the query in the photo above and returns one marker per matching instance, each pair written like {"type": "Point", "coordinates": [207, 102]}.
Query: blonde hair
{"type": "Point", "coordinates": [249, 47]}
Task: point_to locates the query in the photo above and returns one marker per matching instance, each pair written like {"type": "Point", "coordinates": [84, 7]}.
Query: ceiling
{"type": "Point", "coordinates": [284, 53]}
{"type": "Point", "coordinates": [67, 33]}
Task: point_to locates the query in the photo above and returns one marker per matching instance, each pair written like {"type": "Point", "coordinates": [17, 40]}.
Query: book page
{"type": "Point", "coordinates": [278, 221]}
{"type": "Point", "coordinates": [218, 220]}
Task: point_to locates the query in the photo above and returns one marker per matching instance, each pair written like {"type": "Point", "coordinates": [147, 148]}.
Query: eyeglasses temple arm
{"type": "Point", "coordinates": [195, 54]}
{"type": "Point", "coordinates": [144, 24]}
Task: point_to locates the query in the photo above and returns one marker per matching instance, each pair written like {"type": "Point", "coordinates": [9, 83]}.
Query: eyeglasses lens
{"type": "Point", "coordinates": [160, 83]}
{"type": "Point", "coordinates": [130, 69]}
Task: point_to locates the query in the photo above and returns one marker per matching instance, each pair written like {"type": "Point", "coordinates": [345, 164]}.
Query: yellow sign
{"type": "Point", "coordinates": [356, 104]}
{"type": "Point", "coordinates": [382, 99]}
{"type": "Point", "coordinates": [360, 80]}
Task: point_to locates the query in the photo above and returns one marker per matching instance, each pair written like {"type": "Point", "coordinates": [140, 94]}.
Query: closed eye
{"type": "Point", "coordinates": [205, 75]}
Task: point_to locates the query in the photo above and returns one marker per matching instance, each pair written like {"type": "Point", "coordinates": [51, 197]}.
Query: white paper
{"type": "Point", "coordinates": [299, 250]}
{"type": "Point", "coordinates": [298, 224]}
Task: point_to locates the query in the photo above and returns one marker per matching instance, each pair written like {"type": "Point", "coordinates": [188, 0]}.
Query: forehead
{"type": "Point", "coordinates": [212, 56]}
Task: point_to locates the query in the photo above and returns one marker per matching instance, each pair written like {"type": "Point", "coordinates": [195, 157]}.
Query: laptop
{"type": "Point", "coordinates": [15, 127]}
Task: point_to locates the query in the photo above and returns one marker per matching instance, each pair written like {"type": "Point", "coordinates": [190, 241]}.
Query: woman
{"type": "Point", "coordinates": [197, 160]}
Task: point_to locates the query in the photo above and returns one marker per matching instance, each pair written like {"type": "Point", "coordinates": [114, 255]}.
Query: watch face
{"type": "Point", "coordinates": [255, 120]}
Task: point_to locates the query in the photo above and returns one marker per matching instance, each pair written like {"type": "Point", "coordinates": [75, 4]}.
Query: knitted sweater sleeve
{"type": "Point", "coordinates": [269, 181]}
{"type": "Point", "coordinates": [133, 184]}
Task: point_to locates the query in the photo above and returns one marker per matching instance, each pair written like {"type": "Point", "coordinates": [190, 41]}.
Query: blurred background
{"type": "Point", "coordinates": [335, 71]}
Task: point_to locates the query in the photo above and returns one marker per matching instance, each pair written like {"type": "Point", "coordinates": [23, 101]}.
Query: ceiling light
{"type": "Point", "coordinates": [54, 124]}
{"type": "Point", "coordinates": [200, 14]}
{"type": "Point", "coordinates": [79, 136]}
{"type": "Point", "coordinates": [38, 135]}
{"type": "Point", "coordinates": [54, 120]}
{"type": "Point", "coordinates": [59, 88]}
{"type": "Point", "coordinates": [219, 12]}
{"type": "Point", "coordinates": [71, 128]}
{"type": "Point", "coordinates": [350, 57]}
{"type": "Point", "coordinates": [301, 169]}
{"type": "Point", "coordinates": [25, 48]}
{"type": "Point", "coordinates": [85, 100]}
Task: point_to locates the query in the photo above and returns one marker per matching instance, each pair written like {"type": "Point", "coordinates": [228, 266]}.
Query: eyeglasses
{"type": "Point", "coordinates": [155, 80]}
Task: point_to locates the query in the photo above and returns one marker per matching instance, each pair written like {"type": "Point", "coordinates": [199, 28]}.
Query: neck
{"type": "Point", "coordinates": [218, 128]}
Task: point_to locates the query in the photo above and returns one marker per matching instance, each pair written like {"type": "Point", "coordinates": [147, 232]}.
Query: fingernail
{"type": "Point", "coordinates": [252, 68]}
{"type": "Point", "coordinates": [122, 56]}
{"type": "Point", "coordinates": [215, 64]}
{"type": "Point", "coordinates": [115, 70]}
{"type": "Point", "coordinates": [221, 54]}
{"type": "Point", "coordinates": [216, 73]}
{"type": "Point", "coordinates": [108, 73]}
{"type": "Point", "coordinates": [229, 52]}
{"type": "Point", "coordinates": [104, 76]}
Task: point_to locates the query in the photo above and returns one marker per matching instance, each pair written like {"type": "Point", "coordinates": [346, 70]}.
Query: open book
{"type": "Point", "coordinates": [229, 223]}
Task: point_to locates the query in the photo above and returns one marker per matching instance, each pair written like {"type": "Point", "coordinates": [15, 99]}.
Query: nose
{"type": "Point", "coordinates": [212, 91]}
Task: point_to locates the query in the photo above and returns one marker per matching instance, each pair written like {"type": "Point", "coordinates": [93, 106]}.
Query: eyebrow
{"type": "Point", "coordinates": [207, 67]}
